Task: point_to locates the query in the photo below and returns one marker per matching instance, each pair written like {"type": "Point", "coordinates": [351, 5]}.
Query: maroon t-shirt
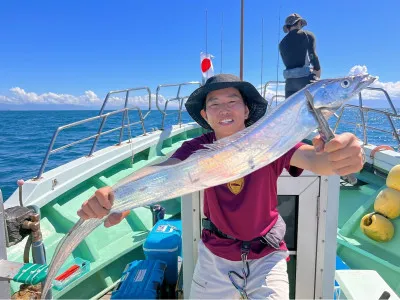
{"type": "Point", "coordinates": [245, 208]}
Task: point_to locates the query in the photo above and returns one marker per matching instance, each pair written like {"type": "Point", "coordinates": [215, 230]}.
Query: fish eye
{"type": "Point", "coordinates": [345, 83]}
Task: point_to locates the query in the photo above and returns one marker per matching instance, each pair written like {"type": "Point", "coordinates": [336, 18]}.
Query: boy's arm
{"type": "Point", "coordinates": [343, 155]}
{"type": "Point", "coordinates": [99, 205]}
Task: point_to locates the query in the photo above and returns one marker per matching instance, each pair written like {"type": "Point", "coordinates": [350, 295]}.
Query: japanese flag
{"type": "Point", "coordinates": [206, 65]}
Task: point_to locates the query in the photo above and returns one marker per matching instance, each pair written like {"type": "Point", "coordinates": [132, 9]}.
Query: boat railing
{"type": "Point", "coordinates": [276, 96]}
{"type": "Point", "coordinates": [96, 137]}
{"type": "Point", "coordinates": [180, 99]}
{"type": "Point", "coordinates": [363, 110]}
{"type": "Point", "coordinates": [125, 113]}
{"type": "Point", "coordinates": [125, 117]}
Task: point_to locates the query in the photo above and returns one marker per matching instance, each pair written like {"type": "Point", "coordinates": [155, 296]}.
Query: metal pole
{"type": "Point", "coordinates": [241, 39]}
{"type": "Point", "coordinates": [277, 59]}
{"type": "Point", "coordinates": [360, 100]}
{"type": "Point", "coordinates": [262, 53]}
{"type": "Point", "coordinates": [222, 31]}
{"type": "Point", "coordinates": [5, 291]}
{"type": "Point", "coordinates": [46, 158]}
{"type": "Point", "coordinates": [98, 136]}
{"type": "Point", "coordinates": [206, 34]}
{"type": "Point", "coordinates": [124, 116]}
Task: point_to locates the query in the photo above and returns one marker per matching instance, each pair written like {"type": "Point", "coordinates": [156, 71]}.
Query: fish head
{"type": "Point", "coordinates": [330, 94]}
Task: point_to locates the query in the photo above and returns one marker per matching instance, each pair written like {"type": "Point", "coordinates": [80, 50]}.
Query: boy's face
{"type": "Point", "coordinates": [225, 112]}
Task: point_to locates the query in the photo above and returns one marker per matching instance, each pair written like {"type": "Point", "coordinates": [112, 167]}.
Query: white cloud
{"type": "Point", "coordinates": [392, 88]}
{"type": "Point", "coordinates": [142, 102]}
{"type": "Point", "coordinates": [19, 97]}
{"type": "Point", "coordinates": [358, 70]}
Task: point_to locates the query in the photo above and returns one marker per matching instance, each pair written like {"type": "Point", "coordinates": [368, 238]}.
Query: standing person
{"type": "Point", "coordinates": [243, 231]}
{"type": "Point", "coordinates": [297, 49]}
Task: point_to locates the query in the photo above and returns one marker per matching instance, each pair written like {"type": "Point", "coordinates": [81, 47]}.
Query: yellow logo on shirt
{"type": "Point", "coordinates": [236, 186]}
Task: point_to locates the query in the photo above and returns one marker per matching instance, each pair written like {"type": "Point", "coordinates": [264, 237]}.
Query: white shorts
{"type": "Point", "coordinates": [268, 277]}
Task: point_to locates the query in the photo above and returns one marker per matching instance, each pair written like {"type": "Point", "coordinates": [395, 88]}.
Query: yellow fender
{"type": "Point", "coordinates": [377, 227]}
{"type": "Point", "coordinates": [393, 178]}
{"type": "Point", "coordinates": [388, 203]}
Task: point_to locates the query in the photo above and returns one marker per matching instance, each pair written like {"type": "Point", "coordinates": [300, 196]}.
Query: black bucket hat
{"type": "Point", "coordinates": [255, 102]}
{"type": "Point", "coordinates": [293, 19]}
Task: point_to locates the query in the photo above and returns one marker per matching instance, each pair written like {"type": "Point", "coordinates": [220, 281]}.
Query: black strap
{"type": "Point", "coordinates": [273, 238]}
{"type": "Point", "coordinates": [207, 224]}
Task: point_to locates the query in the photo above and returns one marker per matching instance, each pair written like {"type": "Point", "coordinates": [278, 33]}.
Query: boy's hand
{"type": "Point", "coordinates": [99, 206]}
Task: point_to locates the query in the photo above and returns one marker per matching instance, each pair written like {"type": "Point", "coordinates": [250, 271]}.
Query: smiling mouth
{"type": "Point", "coordinates": [226, 121]}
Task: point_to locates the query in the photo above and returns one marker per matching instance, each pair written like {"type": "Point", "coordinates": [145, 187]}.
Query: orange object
{"type": "Point", "coordinates": [380, 148]}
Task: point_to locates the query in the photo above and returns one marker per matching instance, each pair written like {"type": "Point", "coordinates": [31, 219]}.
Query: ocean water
{"type": "Point", "coordinates": [25, 137]}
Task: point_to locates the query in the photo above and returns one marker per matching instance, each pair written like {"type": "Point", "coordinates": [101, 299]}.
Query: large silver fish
{"type": "Point", "coordinates": [223, 161]}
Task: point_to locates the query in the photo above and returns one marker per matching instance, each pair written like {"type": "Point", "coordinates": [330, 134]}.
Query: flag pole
{"type": "Point", "coordinates": [206, 33]}
{"type": "Point", "coordinates": [204, 80]}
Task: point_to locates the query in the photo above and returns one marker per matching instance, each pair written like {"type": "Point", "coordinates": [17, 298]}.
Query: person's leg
{"type": "Point", "coordinates": [290, 88]}
{"type": "Point", "coordinates": [210, 277]}
{"type": "Point", "coordinates": [268, 277]}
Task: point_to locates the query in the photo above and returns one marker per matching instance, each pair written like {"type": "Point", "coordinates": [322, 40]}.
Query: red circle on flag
{"type": "Point", "coordinates": [205, 65]}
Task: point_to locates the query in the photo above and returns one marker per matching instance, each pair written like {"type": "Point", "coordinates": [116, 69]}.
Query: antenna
{"type": "Point", "coordinates": [262, 52]}
{"type": "Point", "coordinates": [241, 39]}
{"type": "Point", "coordinates": [222, 31]}
{"type": "Point", "coordinates": [206, 32]}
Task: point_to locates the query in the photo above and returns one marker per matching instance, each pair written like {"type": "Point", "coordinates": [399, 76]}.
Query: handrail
{"type": "Point", "coordinates": [126, 91]}
{"type": "Point", "coordinates": [362, 109]}
{"type": "Point", "coordinates": [177, 98]}
{"type": "Point", "coordinates": [275, 97]}
{"type": "Point", "coordinates": [268, 83]}
{"type": "Point", "coordinates": [104, 117]}
{"type": "Point", "coordinates": [386, 95]}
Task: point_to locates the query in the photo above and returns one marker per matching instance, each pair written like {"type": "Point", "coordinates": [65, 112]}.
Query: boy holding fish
{"type": "Point", "coordinates": [242, 251]}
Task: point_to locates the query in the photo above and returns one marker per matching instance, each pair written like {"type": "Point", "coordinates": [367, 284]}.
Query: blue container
{"type": "Point", "coordinates": [141, 279]}
{"type": "Point", "coordinates": [164, 242]}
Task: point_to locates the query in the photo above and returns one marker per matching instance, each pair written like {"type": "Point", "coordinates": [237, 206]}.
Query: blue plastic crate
{"type": "Point", "coordinates": [164, 242]}
{"type": "Point", "coordinates": [141, 279]}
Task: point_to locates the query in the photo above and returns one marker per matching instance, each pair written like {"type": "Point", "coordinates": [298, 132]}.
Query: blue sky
{"type": "Point", "coordinates": [73, 52]}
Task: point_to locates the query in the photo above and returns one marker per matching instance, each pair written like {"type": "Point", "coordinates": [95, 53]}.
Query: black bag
{"type": "Point", "coordinates": [14, 217]}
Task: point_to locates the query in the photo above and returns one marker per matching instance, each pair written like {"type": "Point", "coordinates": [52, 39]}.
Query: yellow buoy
{"type": "Point", "coordinates": [393, 178]}
{"type": "Point", "coordinates": [377, 227]}
{"type": "Point", "coordinates": [388, 203]}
